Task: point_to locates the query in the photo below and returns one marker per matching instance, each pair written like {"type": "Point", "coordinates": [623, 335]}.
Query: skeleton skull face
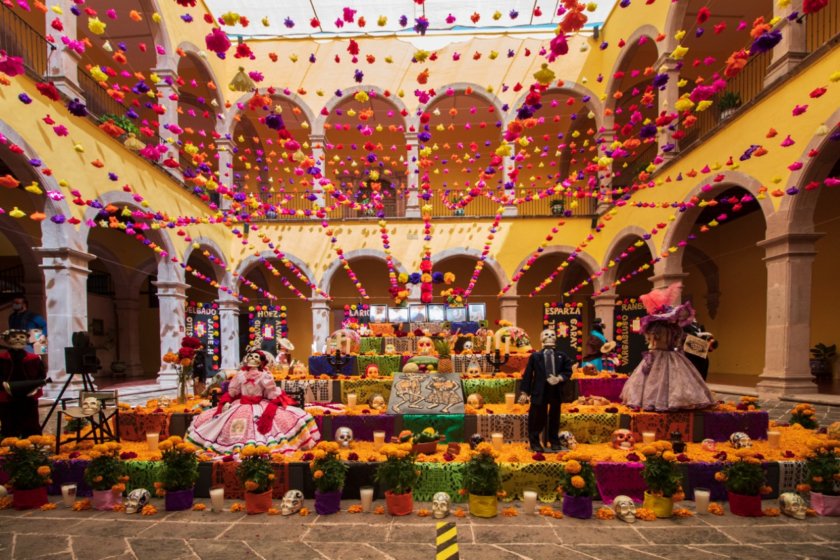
{"type": "Point", "coordinates": [16, 339]}
{"type": "Point", "coordinates": [440, 505]}
{"type": "Point", "coordinates": [344, 436]}
{"type": "Point", "coordinates": [625, 508]}
{"type": "Point", "coordinates": [253, 360]}
{"type": "Point", "coordinates": [548, 338]}
{"type": "Point", "coordinates": [390, 349]}
{"type": "Point", "coordinates": [468, 347]}
{"type": "Point", "coordinates": [792, 505]}
{"type": "Point", "coordinates": [90, 406]}
{"type": "Point", "coordinates": [424, 346]}
{"type": "Point", "coordinates": [299, 369]}
{"type": "Point", "coordinates": [473, 369]}
{"type": "Point", "coordinates": [137, 499]}
{"type": "Point", "coordinates": [567, 440]}
{"type": "Point", "coordinates": [377, 402]}
{"type": "Point", "coordinates": [623, 439]}
{"type": "Point", "coordinates": [164, 402]}
{"type": "Point", "coordinates": [709, 444]}
{"type": "Point", "coordinates": [292, 502]}
{"type": "Point", "coordinates": [475, 400]}
{"type": "Point", "coordinates": [475, 439]}
{"type": "Point", "coordinates": [740, 440]}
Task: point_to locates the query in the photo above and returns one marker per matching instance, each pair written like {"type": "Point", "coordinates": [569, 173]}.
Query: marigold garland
{"type": "Point", "coordinates": [237, 507]}
{"type": "Point", "coordinates": [682, 512]}
{"type": "Point", "coordinates": [510, 512]}
{"type": "Point", "coordinates": [5, 502]}
{"type": "Point", "coordinates": [379, 510]}
{"type": "Point", "coordinates": [605, 513]}
{"type": "Point", "coordinates": [49, 506]}
{"type": "Point", "coordinates": [645, 514]}
{"type": "Point", "coordinates": [148, 510]}
{"type": "Point", "coordinates": [355, 509]}
{"type": "Point", "coordinates": [716, 509]}
{"type": "Point", "coordinates": [273, 511]}
{"type": "Point", "coordinates": [199, 507]}
{"type": "Point", "coordinates": [771, 512]}
{"type": "Point", "coordinates": [81, 505]}
{"type": "Point", "coordinates": [459, 512]}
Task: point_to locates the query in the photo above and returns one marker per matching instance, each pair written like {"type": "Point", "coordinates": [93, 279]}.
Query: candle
{"type": "Point", "coordinates": [351, 399]}
{"type": "Point", "coordinates": [489, 344]}
{"type": "Point", "coordinates": [701, 500]}
{"type": "Point", "coordinates": [648, 437]}
{"type": "Point", "coordinates": [152, 439]}
{"type": "Point", "coordinates": [507, 345]}
{"type": "Point", "coordinates": [346, 345]}
{"type": "Point", "coordinates": [367, 497]}
{"type": "Point", "coordinates": [774, 439]}
{"type": "Point", "coordinates": [217, 498]}
{"type": "Point", "coordinates": [378, 439]}
{"type": "Point", "coordinates": [529, 503]}
{"type": "Point", "coordinates": [510, 398]}
{"type": "Point", "coordinates": [314, 348]}
{"type": "Point", "coordinates": [68, 494]}
{"type": "Point", "coordinates": [498, 439]}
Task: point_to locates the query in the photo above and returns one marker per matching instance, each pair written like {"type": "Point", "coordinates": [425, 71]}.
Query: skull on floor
{"type": "Point", "coordinates": [344, 436]}
{"type": "Point", "coordinates": [440, 505]}
{"type": "Point", "coordinates": [740, 440]}
{"type": "Point", "coordinates": [625, 508]}
{"type": "Point", "coordinates": [137, 499]}
{"type": "Point", "coordinates": [292, 502]}
{"type": "Point", "coordinates": [792, 505]}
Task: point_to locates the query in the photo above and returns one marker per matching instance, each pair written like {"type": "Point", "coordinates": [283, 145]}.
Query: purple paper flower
{"type": "Point", "coordinates": [77, 108]}
{"type": "Point", "coordinates": [358, 76]}
{"type": "Point", "coordinates": [421, 24]}
{"type": "Point", "coordinates": [25, 99]}
{"type": "Point", "coordinates": [765, 42]}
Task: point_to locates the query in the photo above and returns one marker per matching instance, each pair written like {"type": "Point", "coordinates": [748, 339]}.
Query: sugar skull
{"type": "Point", "coordinates": [623, 439]}
{"type": "Point", "coordinates": [475, 400]}
{"type": "Point", "coordinates": [440, 505]}
{"type": "Point", "coordinates": [740, 440]}
{"type": "Point", "coordinates": [548, 338]}
{"type": "Point", "coordinates": [16, 339]}
{"type": "Point", "coordinates": [424, 346]}
{"type": "Point", "coordinates": [567, 440]}
{"type": "Point", "coordinates": [390, 349]}
{"type": "Point", "coordinates": [137, 499]}
{"type": "Point", "coordinates": [292, 502]}
{"type": "Point", "coordinates": [372, 370]}
{"type": "Point", "coordinates": [90, 406]}
{"type": "Point", "coordinates": [298, 369]}
{"type": "Point", "coordinates": [164, 402]}
{"type": "Point", "coordinates": [344, 436]}
{"type": "Point", "coordinates": [473, 368]}
{"type": "Point", "coordinates": [792, 505]}
{"type": "Point", "coordinates": [468, 347]}
{"type": "Point", "coordinates": [709, 444]}
{"type": "Point", "coordinates": [475, 439]}
{"type": "Point", "coordinates": [625, 508]}
{"type": "Point", "coordinates": [377, 402]}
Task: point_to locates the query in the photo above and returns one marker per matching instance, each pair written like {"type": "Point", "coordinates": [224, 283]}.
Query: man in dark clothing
{"type": "Point", "coordinates": [25, 320]}
{"type": "Point", "coordinates": [697, 345]}
{"type": "Point", "coordinates": [22, 374]}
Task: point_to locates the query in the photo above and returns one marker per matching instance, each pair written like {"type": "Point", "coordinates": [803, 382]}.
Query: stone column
{"type": "Point", "coordinates": [604, 305]}
{"type": "Point", "coordinates": [508, 306]}
{"type": "Point", "coordinates": [224, 150]}
{"type": "Point", "coordinates": [127, 311]}
{"type": "Point", "coordinates": [168, 99]}
{"type": "Point", "coordinates": [63, 67]}
{"type": "Point", "coordinates": [172, 297]}
{"type": "Point", "coordinates": [667, 271]}
{"type": "Point", "coordinates": [789, 259]}
{"type": "Point", "coordinates": [510, 209]}
{"type": "Point", "coordinates": [229, 330]}
{"type": "Point", "coordinates": [317, 142]}
{"type": "Point", "coordinates": [668, 96]}
{"type": "Point", "coordinates": [65, 281]}
{"type": "Point", "coordinates": [412, 178]}
{"type": "Point", "coordinates": [321, 318]}
{"type": "Point", "coordinates": [792, 48]}
{"type": "Point", "coordinates": [605, 138]}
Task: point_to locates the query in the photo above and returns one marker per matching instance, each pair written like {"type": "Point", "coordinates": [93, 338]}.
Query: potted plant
{"type": "Point", "coordinates": [398, 475]}
{"type": "Point", "coordinates": [328, 474]}
{"type": "Point", "coordinates": [662, 477]}
{"type": "Point", "coordinates": [27, 462]}
{"type": "Point", "coordinates": [744, 481]}
{"type": "Point", "coordinates": [577, 482]}
{"type": "Point", "coordinates": [180, 472]}
{"type": "Point", "coordinates": [105, 474]}
{"type": "Point", "coordinates": [803, 414]}
{"type": "Point", "coordinates": [728, 103]}
{"type": "Point", "coordinates": [117, 125]}
{"type": "Point", "coordinates": [558, 206]}
{"type": "Point", "coordinates": [822, 358]}
{"type": "Point", "coordinates": [823, 469]}
{"type": "Point", "coordinates": [482, 481]}
{"type": "Point", "coordinates": [423, 442]}
{"type": "Point", "coordinates": [256, 474]}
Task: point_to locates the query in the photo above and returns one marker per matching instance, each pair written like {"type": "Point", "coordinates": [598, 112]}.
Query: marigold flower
{"type": "Point", "coordinates": [379, 510]}
{"type": "Point", "coordinates": [771, 512]}
{"type": "Point", "coordinates": [48, 506]}
{"type": "Point", "coordinates": [510, 512]}
{"type": "Point", "coordinates": [356, 508]}
{"type": "Point", "coordinates": [578, 482]}
{"type": "Point", "coordinates": [250, 485]}
{"type": "Point", "coordinates": [81, 505]}
{"type": "Point", "coordinates": [422, 512]}
{"type": "Point", "coordinates": [273, 511]}
{"type": "Point", "coordinates": [720, 476]}
{"type": "Point", "coordinates": [669, 456]}
{"type": "Point", "coordinates": [199, 507]}
{"type": "Point", "coordinates": [682, 512]}
{"type": "Point", "coordinates": [237, 507]}
{"type": "Point", "coordinates": [715, 509]}
{"type": "Point", "coordinates": [318, 474]}
{"type": "Point", "coordinates": [44, 470]}
{"type": "Point", "coordinates": [459, 512]}
{"type": "Point", "coordinates": [148, 510]}
{"type": "Point", "coordinates": [645, 514]}
{"type": "Point", "coordinates": [605, 513]}
{"type": "Point", "coordinates": [572, 467]}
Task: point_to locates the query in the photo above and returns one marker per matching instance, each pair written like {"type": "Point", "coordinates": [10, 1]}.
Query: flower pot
{"type": "Point", "coordinates": [399, 504]}
{"type": "Point", "coordinates": [484, 506]}
{"type": "Point", "coordinates": [29, 499]}
{"type": "Point", "coordinates": [662, 506]}
{"type": "Point", "coordinates": [745, 506]}
{"type": "Point", "coordinates": [579, 507]}
{"type": "Point", "coordinates": [257, 503]}
{"type": "Point", "coordinates": [427, 448]}
{"type": "Point", "coordinates": [105, 500]}
{"type": "Point", "coordinates": [826, 505]}
{"type": "Point", "coordinates": [327, 503]}
{"type": "Point", "coordinates": [178, 500]}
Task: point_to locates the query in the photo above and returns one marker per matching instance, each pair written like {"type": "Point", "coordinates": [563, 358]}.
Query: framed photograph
{"type": "Point", "coordinates": [398, 315]}
{"type": "Point", "coordinates": [477, 312]}
{"type": "Point", "coordinates": [378, 313]}
{"type": "Point", "coordinates": [456, 314]}
{"type": "Point", "coordinates": [436, 312]}
{"type": "Point", "coordinates": [417, 313]}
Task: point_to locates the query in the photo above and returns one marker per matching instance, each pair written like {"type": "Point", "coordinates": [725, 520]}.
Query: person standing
{"type": "Point", "coordinates": [23, 319]}
{"type": "Point", "coordinates": [594, 353]}
{"type": "Point", "coordinates": [22, 374]}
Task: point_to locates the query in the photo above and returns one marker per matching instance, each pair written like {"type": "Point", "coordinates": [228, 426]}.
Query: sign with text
{"type": "Point", "coordinates": [202, 322]}
{"type": "Point", "coordinates": [267, 325]}
{"type": "Point", "coordinates": [567, 321]}
{"type": "Point", "coordinates": [357, 313]}
{"type": "Point", "coordinates": [630, 342]}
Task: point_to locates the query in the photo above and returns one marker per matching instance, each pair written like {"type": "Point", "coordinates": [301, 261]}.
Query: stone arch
{"type": "Point", "coordinates": [617, 245]}
{"type": "Point", "coordinates": [122, 281]}
{"type": "Point", "coordinates": [594, 102]}
{"type": "Point", "coordinates": [627, 53]}
{"type": "Point", "coordinates": [462, 87]}
{"type": "Point", "coordinates": [336, 100]}
{"type": "Point", "coordinates": [326, 280]}
{"type": "Point", "coordinates": [587, 261]}
{"type": "Point", "coordinates": [229, 124]}
{"type": "Point", "coordinates": [711, 275]}
{"type": "Point", "coordinates": [492, 264]}
{"type": "Point", "coordinates": [251, 262]}
{"type": "Point", "coordinates": [207, 244]}
{"type": "Point", "coordinates": [673, 22]}
{"type": "Point", "coordinates": [195, 54]}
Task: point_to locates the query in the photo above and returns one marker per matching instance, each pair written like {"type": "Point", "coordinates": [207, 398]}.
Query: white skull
{"type": "Point", "coordinates": [137, 499]}
{"type": "Point", "coordinates": [468, 347]}
{"type": "Point", "coordinates": [623, 439]}
{"type": "Point", "coordinates": [424, 346]}
{"type": "Point", "coordinates": [709, 444]}
{"type": "Point", "coordinates": [164, 402]}
{"type": "Point", "coordinates": [292, 502]}
{"type": "Point", "coordinates": [252, 359]}
{"type": "Point", "coordinates": [390, 349]}
{"type": "Point", "coordinates": [625, 508]}
{"type": "Point", "coordinates": [475, 400]}
{"type": "Point", "coordinates": [792, 505]}
{"type": "Point", "coordinates": [740, 440]}
{"type": "Point", "coordinates": [567, 440]}
{"type": "Point", "coordinates": [440, 505]}
{"type": "Point", "coordinates": [344, 436]}
{"type": "Point", "coordinates": [90, 406]}
{"type": "Point", "coordinates": [16, 339]}
{"type": "Point", "coordinates": [473, 368]}
{"type": "Point", "coordinates": [377, 402]}
{"type": "Point", "coordinates": [548, 338]}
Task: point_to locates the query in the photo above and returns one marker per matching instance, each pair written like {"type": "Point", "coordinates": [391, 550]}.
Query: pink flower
{"type": "Point", "coordinates": [11, 65]}
{"type": "Point", "coordinates": [217, 41]}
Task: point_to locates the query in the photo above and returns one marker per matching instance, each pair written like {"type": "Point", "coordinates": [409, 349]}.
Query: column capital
{"type": "Point", "coordinates": [665, 279]}
{"type": "Point", "coordinates": [228, 305]}
{"type": "Point", "coordinates": [169, 288]}
{"type": "Point", "coordinates": [607, 298]}
{"type": "Point", "coordinates": [63, 257]}
{"type": "Point", "coordinates": [167, 77]}
{"type": "Point", "coordinates": [790, 245]}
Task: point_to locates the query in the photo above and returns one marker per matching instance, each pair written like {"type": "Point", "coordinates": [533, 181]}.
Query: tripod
{"type": "Point", "coordinates": [87, 384]}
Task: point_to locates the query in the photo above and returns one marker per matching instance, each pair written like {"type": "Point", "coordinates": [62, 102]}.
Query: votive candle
{"type": "Point", "coordinates": [510, 399]}
{"type": "Point", "coordinates": [648, 437]}
{"type": "Point", "coordinates": [68, 494]}
{"type": "Point", "coordinates": [529, 501]}
{"type": "Point", "coordinates": [366, 493]}
{"type": "Point", "coordinates": [498, 440]}
{"type": "Point", "coordinates": [701, 500]}
{"type": "Point", "coordinates": [152, 439]}
{"type": "Point", "coordinates": [774, 439]}
{"type": "Point", "coordinates": [217, 499]}
{"type": "Point", "coordinates": [378, 439]}
{"type": "Point", "coordinates": [351, 399]}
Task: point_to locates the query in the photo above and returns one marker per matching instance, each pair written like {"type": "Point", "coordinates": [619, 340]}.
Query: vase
{"type": "Point", "coordinates": [182, 392]}
{"type": "Point", "coordinates": [29, 499]}
{"type": "Point", "coordinates": [662, 506]}
{"type": "Point", "coordinates": [178, 500]}
{"type": "Point", "coordinates": [427, 448]}
{"type": "Point", "coordinates": [105, 500]}
{"type": "Point", "coordinates": [825, 504]}
{"type": "Point", "coordinates": [327, 503]}
{"type": "Point", "coordinates": [579, 507]}
{"type": "Point", "coordinates": [257, 503]}
{"type": "Point", "coordinates": [484, 506]}
{"type": "Point", "coordinates": [745, 506]}
{"type": "Point", "coordinates": [399, 504]}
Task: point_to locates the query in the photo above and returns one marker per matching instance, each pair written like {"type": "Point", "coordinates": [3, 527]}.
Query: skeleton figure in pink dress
{"type": "Point", "coordinates": [254, 411]}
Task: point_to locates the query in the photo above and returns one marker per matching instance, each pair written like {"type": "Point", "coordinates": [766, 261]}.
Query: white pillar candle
{"type": "Point", "coordinates": [367, 497]}
{"type": "Point", "coordinates": [152, 439]}
{"type": "Point", "coordinates": [346, 345]}
{"type": "Point", "coordinates": [507, 345]}
{"type": "Point", "coordinates": [774, 439]}
{"type": "Point", "coordinates": [529, 501]}
{"type": "Point", "coordinates": [701, 500]}
{"type": "Point", "coordinates": [378, 439]}
{"type": "Point", "coordinates": [217, 499]}
{"type": "Point", "coordinates": [489, 344]}
{"type": "Point", "coordinates": [648, 437]}
{"type": "Point", "coordinates": [498, 439]}
{"type": "Point", "coordinates": [510, 399]}
{"type": "Point", "coordinates": [351, 399]}
{"type": "Point", "coordinates": [68, 494]}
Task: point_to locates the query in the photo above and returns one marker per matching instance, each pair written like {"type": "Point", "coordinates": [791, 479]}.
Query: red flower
{"type": "Point", "coordinates": [811, 6]}
{"type": "Point", "coordinates": [538, 457]}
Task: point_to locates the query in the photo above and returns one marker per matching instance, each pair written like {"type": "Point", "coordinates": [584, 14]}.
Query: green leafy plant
{"type": "Point", "coordinates": [27, 461]}
{"type": "Point", "coordinates": [426, 436]}
{"type": "Point", "coordinates": [823, 467]}
{"type": "Point", "coordinates": [660, 472]}
{"type": "Point", "coordinates": [328, 470]}
{"type": "Point", "coordinates": [481, 475]}
{"type": "Point", "coordinates": [255, 470]}
{"type": "Point", "coordinates": [578, 477]}
{"type": "Point", "coordinates": [729, 100]}
{"type": "Point", "coordinates": [75, 425]}
{"type": "Point", "coordinates": [803, 414]}
{"type": "Point", "coordinates": [121, 121]}
{"type": "Point", "coordinates": [180, 465]}
{"type": "Point", "coordinates": [397, 473]}
{"type": "Point", "coordinates": [106, 471]}
{"type": "Point", "coordinates": [744, 476]}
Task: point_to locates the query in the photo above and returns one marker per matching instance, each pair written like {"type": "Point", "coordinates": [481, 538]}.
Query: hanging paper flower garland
{"type": "Point", "coordinates": [479, 265]}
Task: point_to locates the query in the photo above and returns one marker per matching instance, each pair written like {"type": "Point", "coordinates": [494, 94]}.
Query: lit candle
{"type": "Point", "coordinates": [152, 439]}
{"type": "Point", "coordinates": [498, 440]}
{"type": "Point", "coordinates": [367, 497]}
{"type": "Point", "coordinates": [510, 398]}
{"type": "Point", "coordinates": [648, 437]}
{"type": "Point", "coordinates": [68, 494]}
{"type": "Point", "coordinates": [529, 501]}
{"type": "Point", "coordinates": [217, 498]}
{"type": "Point", "coordinates": [378, 439]}
{"type": "Point", "coordinates": [351, 399]}
{"type": "Point", "coordinates": [701, 500]}
{"type": "Point", "coordinates": [774, 439]}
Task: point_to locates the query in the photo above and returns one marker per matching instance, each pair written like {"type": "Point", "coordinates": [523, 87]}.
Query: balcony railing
{"type": "Point", "coordinates": [822, 27]}
{"type": "Point", "coordinates": [18, 38]}
{"type": "Point", "coordinates": [99, 103]}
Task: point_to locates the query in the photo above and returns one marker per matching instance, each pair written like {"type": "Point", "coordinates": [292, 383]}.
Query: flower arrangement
{"type": "Point", "coordinates": [106, 471]}
{"type": "Point", "coordinates": [803, 414]}
{"type": "Point", "coordinates": [660, 472]}
{"type": "Point", "coordinates": [255, 470]}
{"type": "Point", "coordinates": [397, 473]}
{"type": "Point", "coordinates": [823, 467]}
{"type": "Point", "coordinates": [183, 363]}
{"type": "Point", "coordinates": [748, 404]}
{"type": "Point", "coordinates": [454, 297]}
{"type": "Point", "coordinates": [481, 475]}
{"type": "Point", "coordinates": [577, 478]}
{"type": "Point", "coordinates": [27, 461]}
{"type": "Point", "coordinates": [180, 465]}
{"type": "Point", "coordinates": [328, 470]}
{"type": "Point", "coordinates": [744, 476]}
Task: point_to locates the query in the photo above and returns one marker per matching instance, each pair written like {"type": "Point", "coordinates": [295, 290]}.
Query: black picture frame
{"type": "Point", "coordinates": [477, 312]}
{"type": "Point", "coordinates": [378, 313]}
{"type": "Point", "coordinates": [417, 313]}
{"type": "Point", "coordinates": [436, 312]}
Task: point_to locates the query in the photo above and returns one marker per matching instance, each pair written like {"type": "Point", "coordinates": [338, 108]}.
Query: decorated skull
{"type": "Point", "coordinates": [740, 440]}
{"type": "Point", "coordinates": [377, 402]}
{"type": "Point", "coordinates": [792, 505]}
{"type": "Point", "coordinates": [475, 400]}
{"type": "Point", "coordinates": [548, 338]}
{"type": "Point", "coordinates": [625, 508]}
{"type": "Point", "coordinates": [292, 502]}
{"type": "Point", "coordinates": [16, 339]}
{"type": "Point", "coordinates": [709, 444]}
{"type": "Point", "coordinates": [440, 505]}
{"type": "Point", "coordinates": [473, 368]}
{"type": "Point", "coordinates": [90, 406]}
{"type": "Point", "coordinates": [475, 439]}
{"type": "Point", "coordinates": [390, 349]}
{"type": "Point", "coordinates": [137, 499]}
{"type": "Point", "coordinates": [623, 439]}
{"type": "Point", "coordinates": [567, 440]}
{"type": "Point", "coordinates": [468, 347]}
{"type": "Point", "coordinates": [164, 402]}
{"type": "Point", "coordinates": [424, 346]}
{"type": "Point", "coordinates": [344, 436]}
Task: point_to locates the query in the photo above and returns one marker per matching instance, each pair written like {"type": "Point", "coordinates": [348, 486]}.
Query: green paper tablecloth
{"type": "Point", "coordinates": [590, 428]}
{"type": "Point", "coordinates": [542, 477]}
{"type": "Point", "coordinates": [371, 344]}
{"type": "Point", "coordinates": [439, 477]}
{"type": "Point", "coordinates": [451, 426]}
{"type": "Point", "coordinates": [493, 390]}
{"type": "Point", "coordinates": [365, 389]}
{"type": "Point", "coordinates": [387, 364]}
{"type": "Point", "coordinates": [143, 474]}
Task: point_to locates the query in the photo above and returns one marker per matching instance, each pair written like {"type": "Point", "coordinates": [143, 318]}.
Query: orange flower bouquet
{"type": "Point", "coordinates": [106, 475]}
{"type": "Point", "coordinates": [578, 484]}
{"type": "Point", "coordinates": [28, 463]}
{"type": "Point", "coordinates": [328, 474]}
{"type": "Point", "coordinates": [256, 473]}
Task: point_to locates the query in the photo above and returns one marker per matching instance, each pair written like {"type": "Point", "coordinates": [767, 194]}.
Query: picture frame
{"type": "Point", "coordinates": [417, 313]}
{"type": "Point", "coordinates": [456, 314]}
{"type": "Point", "coordinates": [378, 313]}
{"type": "Point", "coordinates": [398, 315]}
{"type": "Point", "coordinates": [436, 312]}
{"type": "Point", "coordinates": [477, 312]}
